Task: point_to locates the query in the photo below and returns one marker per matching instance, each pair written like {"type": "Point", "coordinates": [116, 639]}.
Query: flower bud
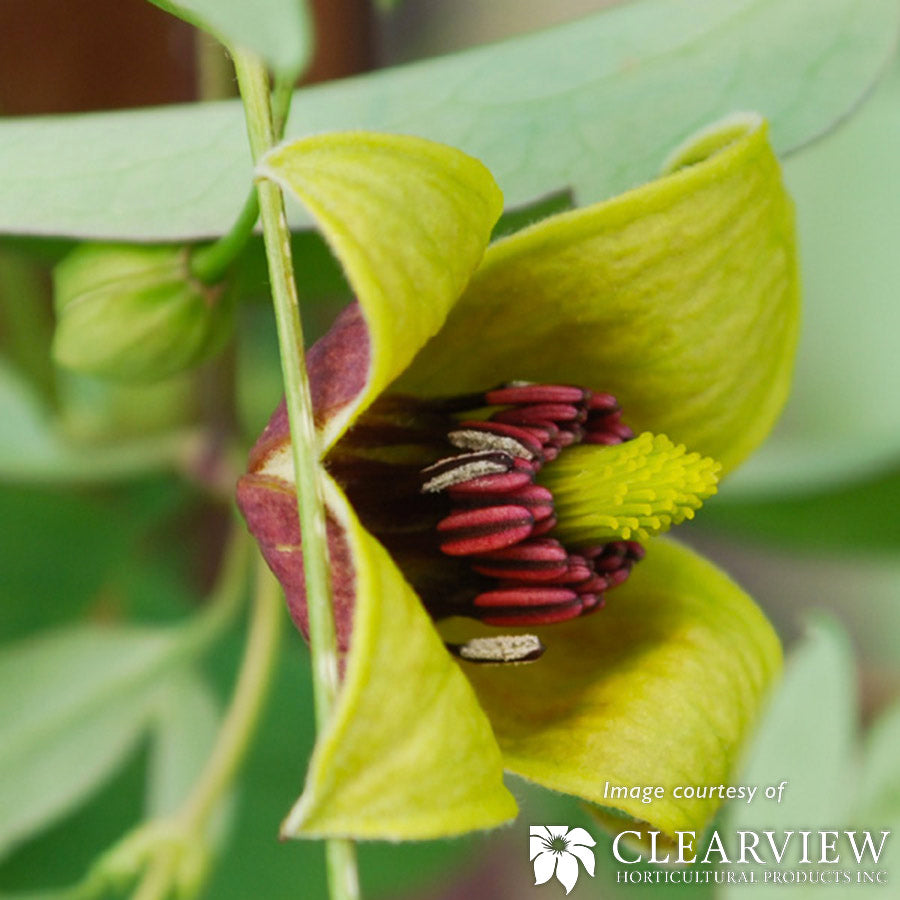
{"type": "Point", "coordinates": [134, 313]}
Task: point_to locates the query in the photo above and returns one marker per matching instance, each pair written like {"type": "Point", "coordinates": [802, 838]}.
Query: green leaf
{"type": "Point", "coordinates": [74, 703]}
{"type": "Point", "coordinates": [860, 589]}
{"type": "Point", "coordinates": [31, 448]}
{"type": "Point", "coordinates": [814, 754]}
{"type": "Point", "coordinates": [26, 324]}
{"type": "Point", "coordinates": [797, 744]}
{"type": "Point", "coordinates": [62, 853]}
{"type": "Point", "coordinates": [662, 687]}
{"type": "Point", "coordinates": [62, 894]}
{"type": "Point", "coordinates": [279, 31]}
{"type": "Point", "coordinates": [842, 421]}
{"type": "Point", "coordinates": [593, 105]}
{"type": "Point", "coordinates": [680, 297]}
{"type": "Point", "coordinates": [185, 727]}
{"type": "Point", "coordinates": [856, 518]}
{"type": "Point", "coordinates": [409, 220]}
{"type": "Point", "coordinates": [879, 790]}
{"type": "Point", "coordinates": [88, 540]}
{"type": "Point", "coordinates": [408, 753]}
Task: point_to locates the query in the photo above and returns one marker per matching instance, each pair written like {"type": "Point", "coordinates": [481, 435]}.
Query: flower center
{"type": "Point", "coordinates": [501, 519]}
{"type": "Point", "coordinates": [495, 507]}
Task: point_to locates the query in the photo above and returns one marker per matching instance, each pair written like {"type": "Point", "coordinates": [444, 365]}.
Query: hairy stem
{"type": "Point", "coordinates": [209, 264]}
{"type": "Point", "coordinates": [254, 89]}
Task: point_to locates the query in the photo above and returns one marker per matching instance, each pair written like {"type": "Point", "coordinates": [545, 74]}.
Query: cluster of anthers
{"type": "Point", "coordinates": [501, 518]}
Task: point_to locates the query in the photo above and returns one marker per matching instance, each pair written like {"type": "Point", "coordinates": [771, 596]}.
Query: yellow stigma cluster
{"type": "Point", "coordinates": [630, 491]}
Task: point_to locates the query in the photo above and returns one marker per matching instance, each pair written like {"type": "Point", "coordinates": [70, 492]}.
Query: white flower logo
{"type": "Point", "coordinates": [555, 849]}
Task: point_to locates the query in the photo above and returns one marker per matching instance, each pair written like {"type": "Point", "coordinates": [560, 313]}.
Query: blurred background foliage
{"type": "Point", "coordinates": [114, 498]}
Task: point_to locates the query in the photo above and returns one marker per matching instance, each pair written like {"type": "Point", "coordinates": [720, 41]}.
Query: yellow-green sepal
{"type": "Point", "coordinates": [680, 297]}
{"type": "Point", "coordinates": [409, 753]}
{"type": "Point", "coordinates": [408, 219]}
{"type": "Point", "coordinates": [662, 687]}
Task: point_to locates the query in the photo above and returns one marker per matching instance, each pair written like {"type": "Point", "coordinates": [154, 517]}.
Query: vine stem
{"type": "Point", "coordinates": [239, 726]}
{"type": "Point", "coordinates": [210, 263]}
{"type": "Point", "coordinates": [250, 692]}
{"type": "Point", "coordinates": [254, 89]}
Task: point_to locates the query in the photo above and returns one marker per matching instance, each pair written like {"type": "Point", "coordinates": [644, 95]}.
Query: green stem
{"type": "Point", "coordinates": [156, 883]}
{"type": "Point", "coordinates": [247, 701]}
{"type": "Point", "coordinates": [209, 264]}
{"type": "Point", "coordinates": [253, 85]}
{"type": "Point", "coordinates": [156, 849]}
{"type": "Point", "coordinates": [304, 442]}
{"type": "Point", "coordinates": [282, 92]}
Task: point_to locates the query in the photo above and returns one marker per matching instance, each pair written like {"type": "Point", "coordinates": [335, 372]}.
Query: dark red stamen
{"type": "Point", "coordinates": [540, 413]}
{"type": "Point", "coordinates": [535, 498]}
{"type": "Point", "coordinates": [503, 522]}
{"type": "Point", "coordinates": [546, 615]}
{"type": "Point", "coordinates": [521, 595]}
{"type": "Point", "coordinates": [472, 531]}
{"type": "Point", "coordinates": [522, 442]}
{"type": "Point", "coordinates": [573, 434]}
{"type": "Point", "coordinates": [543, 527]}
{"type": "Point", "coordinates": [577, 571]}
{"type": "Point", "coordinates": [528, 394]}
{"type": "Point", "coordinates": [495, 486]}
{"type": "Point", "coordinates": [532, 560]}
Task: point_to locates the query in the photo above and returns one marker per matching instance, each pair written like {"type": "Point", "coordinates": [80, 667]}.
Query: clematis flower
{"type": "Point", "coordinates": [665, 320]}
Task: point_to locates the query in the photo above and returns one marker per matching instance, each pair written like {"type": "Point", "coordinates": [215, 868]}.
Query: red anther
{"type": "Point", "coordinates": [577, 571]}
{"type": "Point", "coordinates": [471, 531]}
{"type": "Point", "coordinates": [596, 584]}
{"type": "Point", "coordinates": [539, 413]}
{"type": "Point", "coordinates": [493, 485]}
{"type": "Point", "coordinates": [600, 403]}
{"type": "Point", "coordinates": [541, 430]}
{"type": "Point", "coordinates": [535, 498]}
{"type": "Point", "coordinates": [600, 418]}
{"type": "Point", "coordinates": [552, 430]}
{"type": "Point", "coordinates": [475, 435]}
{"type": "Point", "coordinates": [532, 560]}
{"type": "Point", "coordinates": [619, 576]}
{"type": "Point", "coordinates": [572, 433]}
{"type": "Point", "coordinates": [610, 563]}
{"type": "Point", "coordinates": [502, 520]}
{"type": "Point", "coordinates": [607, 431]}
{"type": "Point", "coordinates": [601, 437]}
{"type": "Point", "coordinates": [536, 393]}
{"type": "Point", "coordinates": [612, 556]}
{"type": "Point", "coordinates": [543, 526]}
{"type": "Point", "coordinates": [610, 548]}
{"type": "Point", "coordinates": [547, 615]}
{"type": "Point", "coordinates": [529, 465]}
{"type": "Point", "coordinates": [521, 595]}
{"type": "Point", "coordinates": [635, 551]}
